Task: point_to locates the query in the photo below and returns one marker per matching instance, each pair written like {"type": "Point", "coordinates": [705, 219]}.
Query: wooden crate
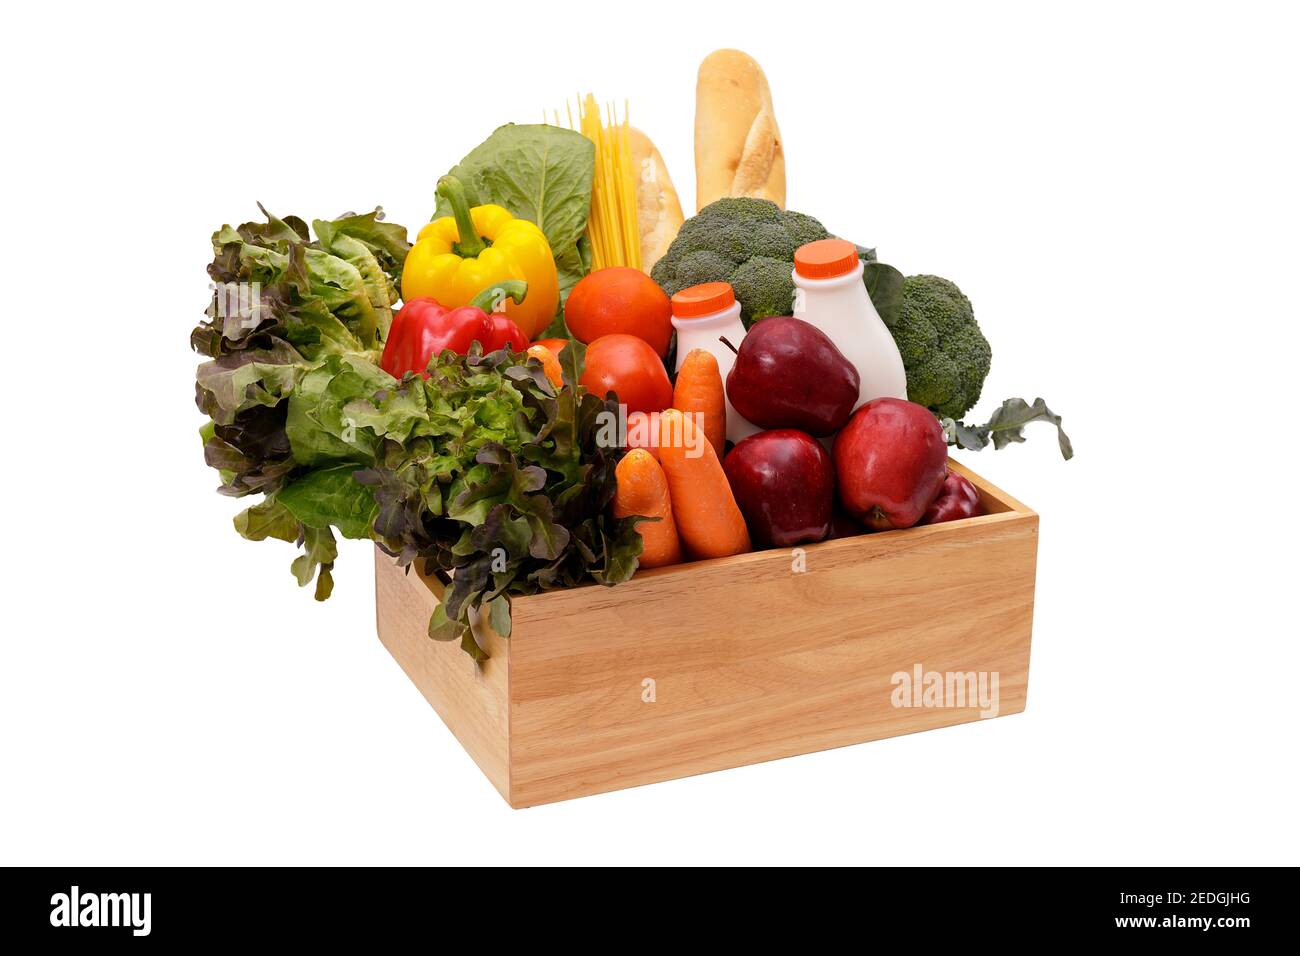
{"type": "Point", "coordinates": [749, 658]}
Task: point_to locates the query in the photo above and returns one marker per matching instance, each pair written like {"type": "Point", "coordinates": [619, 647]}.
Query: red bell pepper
{"type": "Point", "coordinates": [423, 328]}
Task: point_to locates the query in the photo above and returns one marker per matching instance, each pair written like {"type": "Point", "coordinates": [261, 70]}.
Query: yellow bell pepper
{"type": "Point", "coordinates": [456, 257]}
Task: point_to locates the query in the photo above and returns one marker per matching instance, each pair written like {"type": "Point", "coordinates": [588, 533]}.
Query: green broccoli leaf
{"type": "Point", "coordinates": [885, 287]}
{"type": "Point", "coordinates": [1005, 426]}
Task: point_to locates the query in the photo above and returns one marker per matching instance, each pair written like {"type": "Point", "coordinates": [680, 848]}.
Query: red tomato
{"type": "Point", "coordinates": [620, 299]}
{"type": "Point", "coordinates": [626, 365]}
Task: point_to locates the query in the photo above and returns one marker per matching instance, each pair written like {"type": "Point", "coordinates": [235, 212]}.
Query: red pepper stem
{"type": "Point", "coordinates": [469, 243]}
{"type": "Point", "coordinates": [495, 295]}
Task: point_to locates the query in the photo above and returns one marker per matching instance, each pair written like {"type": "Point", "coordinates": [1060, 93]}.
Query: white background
{"type": "Point", "coordinates": [1115, 189]}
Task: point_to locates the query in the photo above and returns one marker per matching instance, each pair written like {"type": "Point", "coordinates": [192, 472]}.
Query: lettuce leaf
{"type": "Point", "coordinates": [330, 496]}
{"type": "Point", "coordinates": [319, 427]}
{"type": "Point", "coordinates": [483, 471]}
{"type": "Point", "coordinates": [327, 296]}
{"type": "Point", "coordinates": [303, 344]}
{"type": "Point", "coordinates": [506, 489]}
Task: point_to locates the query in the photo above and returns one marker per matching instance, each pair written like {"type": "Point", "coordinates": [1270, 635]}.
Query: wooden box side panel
{"type": "Point", "coordinates": [473, 702]}
{"type": "Point", "coordinates": [993, 500]}
{"type": "Point", "coordinates": [752, 660]}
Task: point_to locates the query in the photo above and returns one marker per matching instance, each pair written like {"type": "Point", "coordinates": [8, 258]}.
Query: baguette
{"type": "Point", "coordinates": [658, 210]}
{"type": "Point", "coordinates": [738, 148]}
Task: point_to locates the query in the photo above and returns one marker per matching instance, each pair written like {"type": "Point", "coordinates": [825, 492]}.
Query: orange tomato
{"type": "Point", "coordinates": [553, 344]}
{"type": "Point", "coordinates": [620, 299]}
{"type": "Point", "coordinates": [628, 366]}
{"type": "Point", "coordinates": [550, 364]}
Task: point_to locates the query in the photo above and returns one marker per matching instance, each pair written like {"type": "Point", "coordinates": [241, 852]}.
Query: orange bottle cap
{"type": "Point", "coordinates": [704, 299]}
{"type": "Point", "coordinates": [826, 259]}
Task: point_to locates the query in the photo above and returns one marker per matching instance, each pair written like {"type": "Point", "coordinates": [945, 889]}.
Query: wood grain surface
{"type": "Point", "coordinates": [752, 657]}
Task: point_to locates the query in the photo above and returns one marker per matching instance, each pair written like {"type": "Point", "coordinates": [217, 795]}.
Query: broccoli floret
{"type": "Point", "coordinates": [742, 209]}
{"type": "Point", "coordinates": [944, 352]}
{"type": "Point", "coordinates": [802, 228]}
{"type": "Point", "coordinates": [747, 242]}
{"type": "Point", "coordinates": [702, 266]}
{"type": "Point", "coordinates": [763, 287]}
{"type": "Point", "coordinates": [771, 240]}
{"type": "Point", "coordinates": [751, 244]}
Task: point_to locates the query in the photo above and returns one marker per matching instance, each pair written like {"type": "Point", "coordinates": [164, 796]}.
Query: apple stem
{"type": "Point", "coordinates": [723, 340]}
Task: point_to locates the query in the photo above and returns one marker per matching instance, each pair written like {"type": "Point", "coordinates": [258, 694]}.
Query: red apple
{"type": "Point", "coordinates": [842, 526]}
{"type": "Point", "coordinates": [957, 499]}
{"type": "Point", "coordinates": [784, 483]}
{"type": "Point", "coordinates": [891, 460]}
{"type": "Point", "coordinates": [789, 374]}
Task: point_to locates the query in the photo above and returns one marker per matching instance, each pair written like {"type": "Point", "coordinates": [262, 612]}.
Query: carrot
{"type": "Point", "coordinates": [699, 391]}
{"type": "Point", "coordinates": [550, 364]}
{"type": "Point", "coordinates": [708, 520]}
{"type": "Point", "coordinates": [643, 432]}
{"type": "Point", "coordinates": [642, 489]}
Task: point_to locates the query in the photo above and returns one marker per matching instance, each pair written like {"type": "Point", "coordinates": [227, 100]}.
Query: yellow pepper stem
{"type": "Point", "coordinates": [496, 294]}
{"type": "Point", "coordinates": [469, 243]}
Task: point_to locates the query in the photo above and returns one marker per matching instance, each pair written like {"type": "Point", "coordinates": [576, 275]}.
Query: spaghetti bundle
{"type": "Point", "coordinates": [612, 227]}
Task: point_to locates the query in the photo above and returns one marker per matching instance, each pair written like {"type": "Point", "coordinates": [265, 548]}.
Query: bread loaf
{"type": "Point", "coordinates": [737, 141]}
{"type": "Point", "coordinates": [658, 210]}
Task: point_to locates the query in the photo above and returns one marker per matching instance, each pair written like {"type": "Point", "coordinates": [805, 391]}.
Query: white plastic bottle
{"type": "Point", "coordinates": [830, 295]}
{"type": "Point", "coordinates": [703, 315]}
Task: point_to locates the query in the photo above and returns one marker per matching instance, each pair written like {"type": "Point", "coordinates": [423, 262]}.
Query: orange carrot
{"type": "Point", "coordinates": [643, 432]}
{"type": "Point", "coordinates": [550, 364]}
{"type": "Point", "coordinates": [699, 391]}
{"type": "Point", "coordinates": [643, 490]}
{"type": "Point", "coordinates": [708, 520]}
